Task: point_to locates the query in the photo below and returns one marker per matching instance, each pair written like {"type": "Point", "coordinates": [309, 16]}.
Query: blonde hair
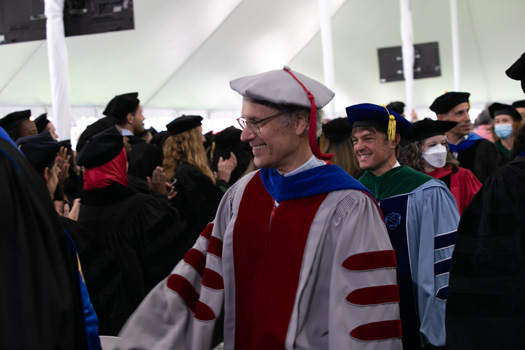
{"type": "Point", "coordinates": [185, 147]}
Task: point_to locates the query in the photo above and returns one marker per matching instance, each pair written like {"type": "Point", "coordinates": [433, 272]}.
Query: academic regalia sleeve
{"type": "Point", "coordinates": [432, 222]}
{"type": "Point", "coordinates": [486, 304]}
{"type": "Point", "coordinates": [363, 292]}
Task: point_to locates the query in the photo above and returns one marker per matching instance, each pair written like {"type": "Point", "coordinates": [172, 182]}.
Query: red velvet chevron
{"type": "Point", "coordinates": [374, 295]}
{"type": "Point", "coordinates": [383, 259]}
{"type": "Point", "coordinates": [377, 331]}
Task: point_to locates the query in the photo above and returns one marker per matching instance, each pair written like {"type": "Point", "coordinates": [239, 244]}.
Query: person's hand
{"type": "Point", "coordinates": [225, 168]}
{"type": "Point", "coordinates": [63, 164]}
{"type": "Point", "coordinates": [59, 207]}
{"type": "Point", "coordinates": [72, 213]}
{"type": "Point", "coordinates": [157, 181]}
{"type": "Point", "coordinates": [171, 192]}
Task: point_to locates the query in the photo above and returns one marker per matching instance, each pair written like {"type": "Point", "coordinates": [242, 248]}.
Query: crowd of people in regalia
{"type": "Point", "coordinates": [286, 230]}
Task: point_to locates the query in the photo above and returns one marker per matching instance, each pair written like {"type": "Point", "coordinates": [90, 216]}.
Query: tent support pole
{"type": "Point", "coordinates": [455, 44]}
{"type": "Point", "coordinates": [407, 50]}
{"type": "Point", "coordinates": [328, 52]}
{"type": "Point", "coordinates": [58, 67]}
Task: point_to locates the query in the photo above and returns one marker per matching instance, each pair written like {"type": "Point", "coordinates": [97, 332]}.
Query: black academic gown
{"type": "Point", "coordinates": [144, 235]}
{"type": "Point", "coordinates": [100, 269]}
{"type": "Point", "coordinates": [486, 301]}
{"type": "Point", "coordinates": [197, 197]}
{"type": "Point", "coordinates": [482, 158]}
{"type": "Point", "coordinates": [40, 305]}
{"type": "Point", "coordinates": [143, 158]}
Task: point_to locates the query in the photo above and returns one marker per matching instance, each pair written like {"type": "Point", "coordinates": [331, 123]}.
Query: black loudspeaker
{"type": "Point", "coordinates": [426, 62]}
{"type": "Point", "coordinates": [24, 20]}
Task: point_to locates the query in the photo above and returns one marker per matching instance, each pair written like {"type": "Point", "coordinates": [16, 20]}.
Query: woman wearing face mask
{"type": "Point", "coordinates": [427, 151]}
{"type": "Point", "coordinates": [507, 122]}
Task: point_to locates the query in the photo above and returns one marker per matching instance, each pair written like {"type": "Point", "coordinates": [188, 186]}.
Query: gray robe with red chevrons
{"type": "Point", "coordinates": [316, 272]}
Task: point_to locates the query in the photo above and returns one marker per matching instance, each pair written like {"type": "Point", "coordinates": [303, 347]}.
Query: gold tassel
{"type": "Point", "coordinates": [391, 131]}
{"type": "Point", "coordinates": [391, 128]}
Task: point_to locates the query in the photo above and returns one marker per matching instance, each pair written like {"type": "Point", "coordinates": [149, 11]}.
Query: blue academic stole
{"type": "Point", "coordinates": [394, 210]}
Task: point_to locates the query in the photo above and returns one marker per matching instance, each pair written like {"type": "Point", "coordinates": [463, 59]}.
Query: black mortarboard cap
{"type": "Point", "coordinates": [121, 105]}
{"type": "Point", "coordinates": [520, 103]}
{"type": "Point", "coordinates": [396, 106]}
{"type": "Point", "coordinates": [517, 71]}
{"type": "Point", "coordinates": [337, 130]}
{"type": "Point", "coordinates": [13, 120]}
{"type": "Point", "coordinates": [93, 129]}
{"type": "Point", "coordinates": [379, 117]}
{"type": "Point", "coordinates": [183, 123]}
{"type": "Point", "coordinates": [40, 150]}
{"type": "Point", "coordinates": [497, 108]}
{"type": "Point", "coordinates": [444, 103]}
{"type": "Point", "coordinates": [101, 148]}
{"type": "Point", "coordinates": [65, 143]}
{"type": "Point", "coordinates": [41, 122]}
{"type": "Point", "coordinates": [427, 127]}
{"type": "Point", "coordinates": [228, 137]}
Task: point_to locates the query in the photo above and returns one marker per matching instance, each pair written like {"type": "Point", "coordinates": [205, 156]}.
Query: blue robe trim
{"type": "Point", "coordinates": [395, 213]}
{"type": "Point", "coordinates": [522, 154]}
{"type": "Point", "coordinates": [445, 240]}
{"type": "Point", "coordinates": [321, 179]}
{"type": "Point", "coordinates": [442, 293]}
{"type": "Point", "coordinates": [442, 267]}
{"type": "Point", "coordinates": [471, 140]}
{"type": "Point", "coordinates": [89, 315]}
{"type": "Point", "coordinates": [5, 136]}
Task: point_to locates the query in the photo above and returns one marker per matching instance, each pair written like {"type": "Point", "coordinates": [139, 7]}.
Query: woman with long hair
{"type": "Point", "coordinates": [186, 165]}
{"type": "Point", "coordinates": [336, 139]}
{"type": "Point", "coordinates": [427, 152]}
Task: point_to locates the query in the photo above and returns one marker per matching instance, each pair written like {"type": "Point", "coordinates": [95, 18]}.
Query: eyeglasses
{"type": "Point", "coordinates": [254, 126]}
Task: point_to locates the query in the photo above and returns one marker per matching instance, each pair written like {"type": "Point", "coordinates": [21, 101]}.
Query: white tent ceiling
{"type": "Point", "coordinates": [182, 54]}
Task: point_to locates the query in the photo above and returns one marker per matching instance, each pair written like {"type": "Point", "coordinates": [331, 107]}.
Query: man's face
{"type": "Point", "coordinates": [275, 145]}
{"type": "Point", "coordinates": [137, 120]}
{"type": "Point", "coordinates": [372, 149]}
{"type": "Point", "coordinates": [27, 128]}
{"type": "Point", "coordinates": [458, 114]}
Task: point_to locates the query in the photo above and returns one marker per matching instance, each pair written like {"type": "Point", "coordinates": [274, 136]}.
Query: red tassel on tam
{"type": "Point", "coordinates": [312, 132]}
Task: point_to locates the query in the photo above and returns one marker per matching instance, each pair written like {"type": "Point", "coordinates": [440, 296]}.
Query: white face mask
{"type": "Point", "coordinates": [436, 156]}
